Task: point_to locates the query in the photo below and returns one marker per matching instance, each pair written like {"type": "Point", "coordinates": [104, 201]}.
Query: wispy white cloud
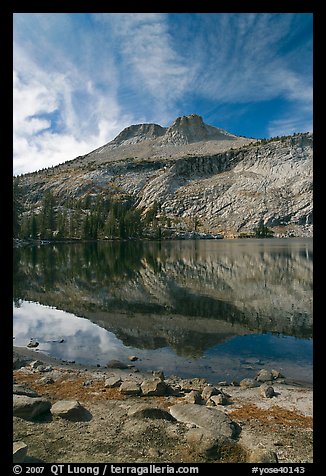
{"type": "Point", "coordinates": [240, 58]}
{"type": "Point", "coordinates": [148, 58]}
{"type": "Point", "coordinates": [289, 124]}
{"type": "Point", "coordinates": [79, 79]}
{"type": "Point", "coordinates": [87, 114]}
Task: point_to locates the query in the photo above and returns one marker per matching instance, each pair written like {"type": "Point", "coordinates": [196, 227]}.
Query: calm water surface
{"type": "Point", "coordinates": [216, 309]}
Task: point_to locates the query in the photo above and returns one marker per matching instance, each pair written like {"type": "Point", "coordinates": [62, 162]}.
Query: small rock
{"type": "Point", "coordinates": [194, 384]}
{"type": "Point", "coordinates": [22, 390]}
{"type": "Point", "coordinates": [158, 374]}
{"type": "Point", "coordinates": [223, 383]}
{"type": "Point", "coordinates": [129, 387]}
{"type": "Point", "coordinates": [203, 442]}
{"type": "Point", "coordinates": [29, 407]}
{"type": "Point", "coordinates": [44, 368]}
{"type": "Point", "coordinates": [148, 411]}
{"type": "Point", "coordinates": [67, 409]}
{"type": "Point", "coordinates": [33, 343]}
{"type": "Point", "coordinates": [112, 382]}
{"type": "Point", "coordinates": [208, 391]}
{"type": "Point", "coordinates": [264, 376]}
{"type": "Point", "coordinates": [249, 383]}
{"type": "Point", "coordinates": [234, 383]}
{"type": "Point", "coordinates": [116, 364]}
{"type": "Point", "coordinates": [262, 456]}
{"type": "Point", "coordinates": [135, 370]}
{"type": "Point", "coordinates": [19, 452]}
{"type": "Point", "coordinates": [276, 374]}
{"type": "Point", "coordinates": [210, 419]}
{"type": "Point", "coordinates": [220, 399]}
{"type": "Point", "coordinates": [151, 387]}
{"type": "Point", "coordinates": [98, 365]}
{"type": "Point", "coordinates": [194, 397]}
{"type": "Point", "coordinates": [153, 453]}
{"type": "Point", "coordinates": [46, 380]}
{"type": "Point", "coordinates": [267, 391]}
{"type": "Point", "coordinates": [35, 364]}
{"type": "Point", "coordinates": [132, 358]}
{"type": "Point", "coordinates": [88, 383]}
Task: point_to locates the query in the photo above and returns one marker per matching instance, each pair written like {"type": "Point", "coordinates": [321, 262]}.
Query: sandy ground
{"type": "Point", "coordinates": [282, 424]}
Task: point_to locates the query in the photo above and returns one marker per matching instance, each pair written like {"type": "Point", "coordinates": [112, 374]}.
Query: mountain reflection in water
{"type": "Point", "coordinates": [186, 296]}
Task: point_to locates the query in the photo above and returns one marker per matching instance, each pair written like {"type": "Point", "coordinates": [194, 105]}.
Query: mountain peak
{"type": "Point", "coordinates": [184, 130]}
{"type": "Point", "coordinates": [189, 129]}
{"type": "Point", "coordinates": [138, 133]}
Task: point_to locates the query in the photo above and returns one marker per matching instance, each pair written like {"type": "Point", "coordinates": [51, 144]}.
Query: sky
{"type": "Point", "coordinates": [81, 78]}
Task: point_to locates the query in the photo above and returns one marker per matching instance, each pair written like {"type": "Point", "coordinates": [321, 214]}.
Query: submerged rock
{"type": "Point", "coordinates": [116, 364]}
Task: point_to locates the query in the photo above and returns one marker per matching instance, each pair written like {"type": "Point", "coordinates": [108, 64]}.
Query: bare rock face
{"type": "Point", "coordinates": [191, 169]}
{"type": "Point", "coordinates": [188, 129]}
{"type": "Point", "coordinates": [138, 133]}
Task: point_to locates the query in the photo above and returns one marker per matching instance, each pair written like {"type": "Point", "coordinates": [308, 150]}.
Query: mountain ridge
{"type": "Point", "coordinates": [205, 180]}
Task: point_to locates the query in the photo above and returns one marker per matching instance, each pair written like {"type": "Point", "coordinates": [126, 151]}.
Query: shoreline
{"type": "Point", "coordinates": [33, 354]}
{"type": "Point", "coordinates": [128, 418]}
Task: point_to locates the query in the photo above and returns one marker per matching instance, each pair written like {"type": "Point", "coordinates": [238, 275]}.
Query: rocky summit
{"type": "Point", "coordinates": [194, 176]}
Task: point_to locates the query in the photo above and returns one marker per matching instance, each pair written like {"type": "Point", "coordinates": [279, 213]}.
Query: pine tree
{"type": "Point", "coordinates": [48, 216]}
{"type": "Point", "coordinates": [18, 207]}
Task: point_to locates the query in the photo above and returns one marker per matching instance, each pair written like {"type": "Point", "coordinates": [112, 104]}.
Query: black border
{"type": "Point", "coordinates": [74, 6]}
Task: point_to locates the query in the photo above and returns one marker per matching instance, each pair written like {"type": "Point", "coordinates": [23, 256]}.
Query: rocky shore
{"type": "Point", "coordinates": [64, 412]}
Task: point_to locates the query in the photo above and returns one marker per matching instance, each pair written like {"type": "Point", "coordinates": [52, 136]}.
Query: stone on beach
{"type": "Point", "coordinates": [211, 419]}
{"type": "Point", "coordinates": [221, 399]}
{"type": "Point", "coordinates": [264, 376]}
{"type": "Point", "coordinates": [144, 410]}
{"type": "Point", "coordinates": [129, 387]}
{"type": "Point", "coordinates": [23, 390]}
{"type": "Point", "coordinates": [153, 387]}
{"type": "Point", "coordinates": [267, 391]}
{"type": "Point", "coordinates": [208, 391]}
{"type": "Point", "coordinates": [67, 409]}
{"type": "Point", "coordinates": [249, 383]}
{"type": "Point", "coordinates": [112, 382]}
{"type": "Point", "coordinates": [261, 455]}
{"type": "Point", "coordinates": [204, 443]}
{"type": "Point", "coordinates": [29, 407]}
{"type": "Point", "coordinates": [19, 452]}
{"type": "Point", "coordinates": [194, 397]}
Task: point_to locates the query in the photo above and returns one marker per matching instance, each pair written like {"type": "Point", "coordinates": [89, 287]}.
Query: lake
{"type": "Point", "coordinates": [219, 309]}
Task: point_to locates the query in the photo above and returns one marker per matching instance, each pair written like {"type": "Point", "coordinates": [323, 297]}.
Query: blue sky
{"type": "Point", "coordinates": [79, 79]}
